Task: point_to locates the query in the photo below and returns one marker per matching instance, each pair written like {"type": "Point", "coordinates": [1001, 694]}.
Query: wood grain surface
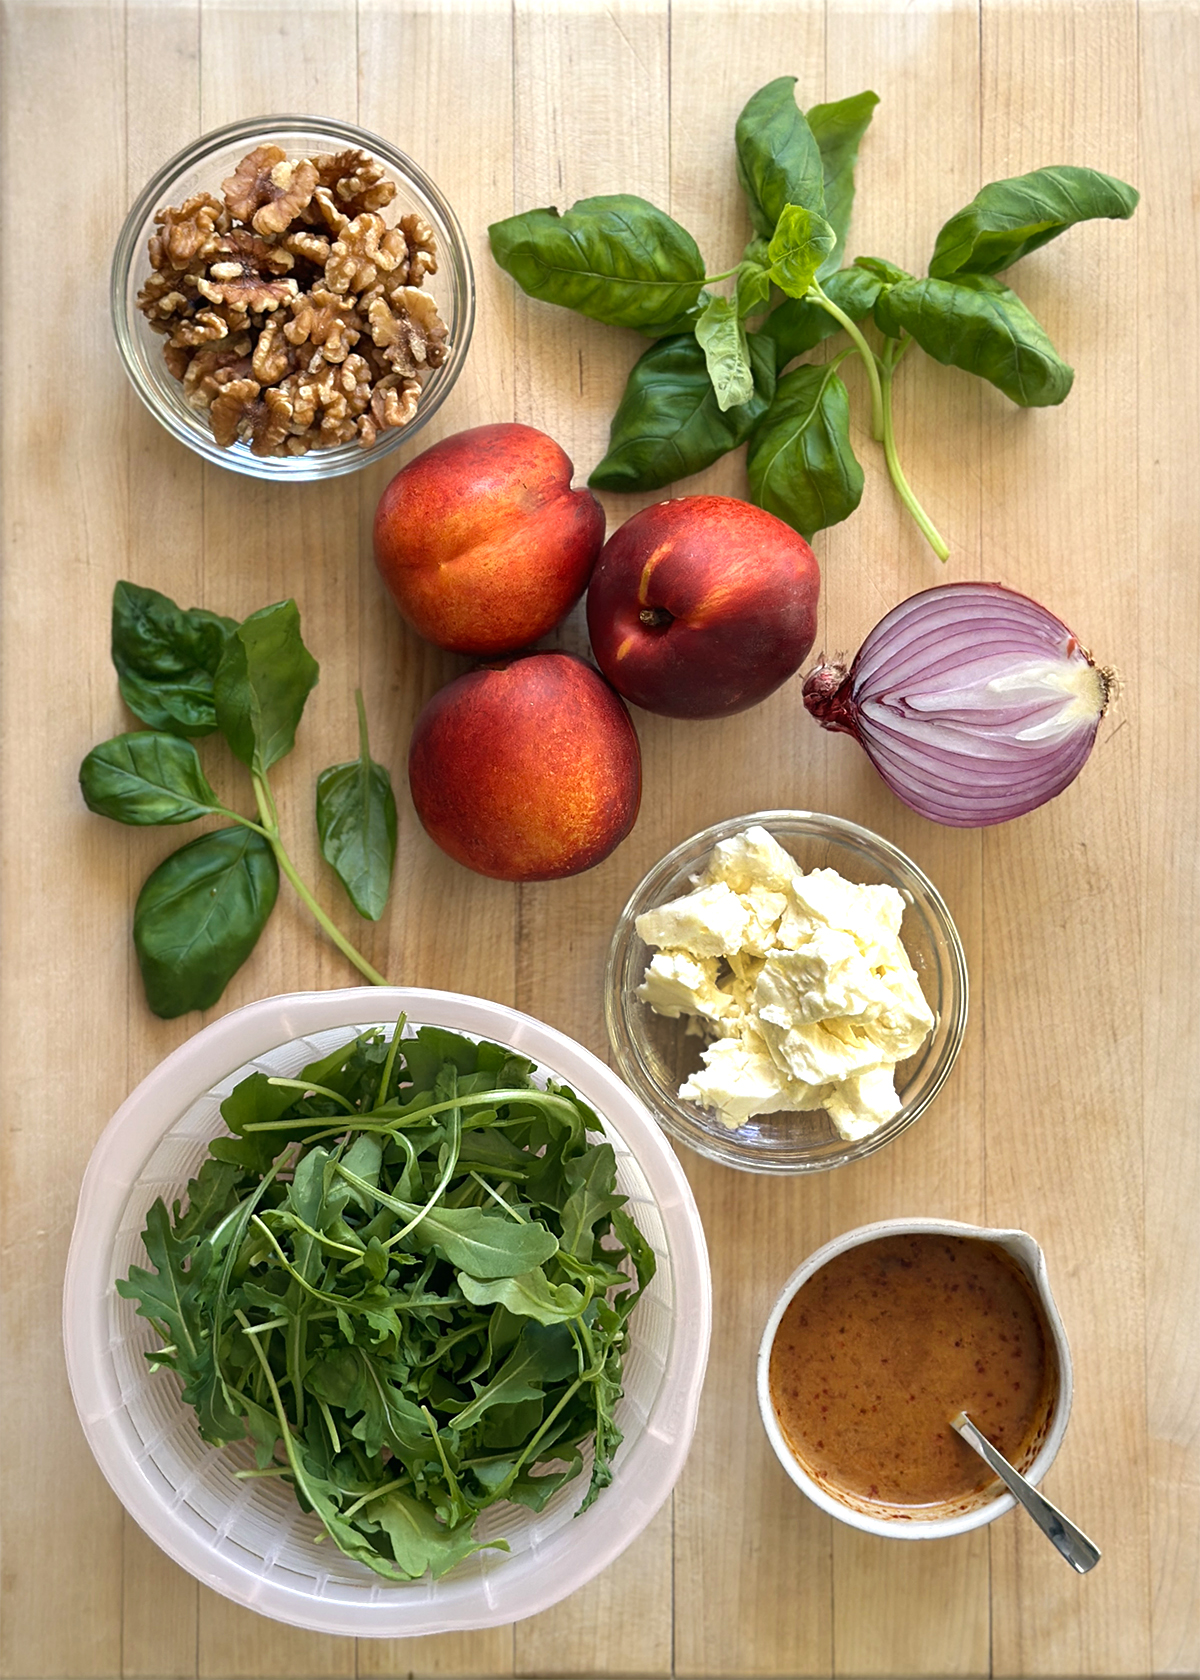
{"type": "Point", "coordinates": [1073, 1109]}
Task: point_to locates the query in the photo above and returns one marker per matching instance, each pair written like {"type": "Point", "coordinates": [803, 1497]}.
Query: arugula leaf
{"type": "Point", "coordinates": [975, 323]}
{"type": "Point", "coordinates": [801, 465]}
{"type": "Point", "coordinates": [1008, 219]}
{"type": "Point", "coordinates": [265, 676]}
{"type": "Point", "coordinates": [799, 247]}
{"type": "Point", "coordinates": [800, 324]}
{"type": "Point", "coordinates": [593, 1180]}
{"type": "Point", "coordinates": [615, 258]}
{"type": "Point", "coordinates": [420, 1542]}
{"type": "Point", "coordinates": [838, 129]}
{"type": "Point", "coordinates": [778, 159]}
{"type": "Point", "coordinates": [531, 1295]}
{"type": "Point", "coordinates": [146, 778]}
{"type": "Point", "coordinates": [166, 659]}
{"type": "Point", "coordinates": [721, 335]}
{"type": "Point", "coordinates": [199, 915]}
{"type": "Point", "coordinates": [356, 822]}
{"type": "Point", "coordinates": [669, 425]}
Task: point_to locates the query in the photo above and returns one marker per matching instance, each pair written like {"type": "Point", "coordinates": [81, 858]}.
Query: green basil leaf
{"type": "Point", "coordinates": [356, 822]}
{"type": "Point", "coordinates": [199, 916]}
{"type": "Point", "coordinates": [778, 160]}
{"type": "Point", "coordinates": [753, 281]}
{"type": "Point", "coordinates": [800, 244]}
{"type": "Point", "coordinates": [615, 258]}
{"type": "Point", "coordinates": [668, 425]}
{"type": "Point", "coordinates": [721, 335]}
{"type": "Point", "coordinates": [975, 323]}
{"type": "Point", "coordinates": [265, 676]}
{"type": "Point", "coordinates": [144, 778]}
{"type": "Point", "coordinates": [882, 270]}
{"type": "Point", "coordinates": [1008, 219]}
{"type": "Point", "coordinates": [799, 324]}
{"type": "Point", "coordinates": [166, 659]}
{"type": "Point", "coordinates": [800, 464]}
{"type": "Point", "coordinates": [838, 129]}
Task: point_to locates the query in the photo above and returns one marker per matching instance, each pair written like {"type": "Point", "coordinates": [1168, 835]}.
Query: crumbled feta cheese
{"type": "Point", "coordinates": [803, 976]}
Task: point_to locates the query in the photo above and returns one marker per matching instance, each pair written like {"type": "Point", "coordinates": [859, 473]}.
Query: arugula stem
{"type": "Point", "coordinates": [924, 524]}
{"type": "Point", "coordinates": [869, 359]}
{"type": "Point", "coordinates": [270, 822]}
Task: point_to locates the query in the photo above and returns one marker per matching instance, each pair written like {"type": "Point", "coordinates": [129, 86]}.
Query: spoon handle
{"type": "Point", "coordinates": [1074, 1545]}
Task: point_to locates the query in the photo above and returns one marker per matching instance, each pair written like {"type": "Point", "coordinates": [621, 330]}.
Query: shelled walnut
{"type": "Point", "coordinates": [291, 309]}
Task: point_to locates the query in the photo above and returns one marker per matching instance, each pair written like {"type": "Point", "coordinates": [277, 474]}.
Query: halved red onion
{"type": "Point", "coordinates": [973, 702]}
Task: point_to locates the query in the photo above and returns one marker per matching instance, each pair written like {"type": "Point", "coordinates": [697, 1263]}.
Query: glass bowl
{"type": "Point", "coordinates": [248, 1539]}
{"type": "Point", "coordinates": [202, 167]}
{"type": "Point", "coordinates": [655, 1054]}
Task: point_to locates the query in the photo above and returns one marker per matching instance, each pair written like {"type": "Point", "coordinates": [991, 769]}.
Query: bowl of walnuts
{"type": "Point", "coordinates": [292, 297]}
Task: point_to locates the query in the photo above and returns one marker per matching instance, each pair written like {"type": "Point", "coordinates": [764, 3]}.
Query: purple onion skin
{"type": "Point", "coordinates": [967, 765]}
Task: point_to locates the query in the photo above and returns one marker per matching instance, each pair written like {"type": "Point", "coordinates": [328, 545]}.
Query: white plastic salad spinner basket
{"type": "Point", "coordinates": [249, 1539]}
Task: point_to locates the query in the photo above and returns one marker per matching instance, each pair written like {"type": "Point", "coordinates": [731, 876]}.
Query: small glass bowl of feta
{"type": "Point", "coordinates": [786, 992]}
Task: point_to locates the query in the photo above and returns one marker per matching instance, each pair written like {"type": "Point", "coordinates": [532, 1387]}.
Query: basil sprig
{"type": "Point", "coordinates": [704, 388]}
{"type": "Point", "coordinates": [201, 911]}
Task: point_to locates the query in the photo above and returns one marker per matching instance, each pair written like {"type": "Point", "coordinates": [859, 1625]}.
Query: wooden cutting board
{"type": "Point", "coordinates": [1073, 1110]}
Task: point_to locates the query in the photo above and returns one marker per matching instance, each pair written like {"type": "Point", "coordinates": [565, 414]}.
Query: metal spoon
{"type": "Point", "coordinates": [1074, 1545]}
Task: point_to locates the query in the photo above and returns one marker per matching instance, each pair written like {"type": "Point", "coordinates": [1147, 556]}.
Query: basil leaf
{"type": "Point", "coordinates": [615, 258]}
{"type": "Point", "coordinates": [882, 270]}
{"type": "Point", "coordinates": [1008, 219]}
{"type": "Point", "coordinates": [166, 658]}
{"type": "Point", "coordinates": [778, 160]}
{"type": "Point", "coordinates": [199, 916]}
{"type": "Point", "coordinates": [838, 129]}
{"type": "Point", "coordinates": [722, 337]}
{"type": "Point", "coordinates": [265, 676]}
{"type": "Point", "coordinates": [799, 245]}
{"type": "Point", "coordinates": [799, 324]}
{"type": "Point", "coordinates": [146, 777]}
{"type": "Point", "coordinates": [668, 425]}
{"type": "Point", "coordinates": [800, 464]}
{"type": "Point", "coordinates": [356, 822]}
{"type": "Point", "coordinates": [975, 323]}
{"type": "Point", "coordinates": [753, 282]}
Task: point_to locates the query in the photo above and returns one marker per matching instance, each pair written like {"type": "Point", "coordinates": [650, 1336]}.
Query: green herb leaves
{"type": "Point", "coordinates": [264, 678]}
{"type": "Point", "coordinates": [778, 159]}
{"type": "Point", "coordinates": [707, 386]}
{"type": "Point", "coordinates": [199, 916]}
{"type": "Point", "coordinates": [200, 913]}
{"type": "Point", "coordinates": [616, 259]}
{"type": "Point", "coordinates": [1008, 219]}
{"type": "Point", "coordinates": [356, 821]}
{"type": "Point", "coordinates": [801, 465]}
{"type": "Point", "coordinates": [166, 659]}
{"type": "Point", "coordinates": [405, 1333]}
{"type": "Point", "coordinates": [975, 323]}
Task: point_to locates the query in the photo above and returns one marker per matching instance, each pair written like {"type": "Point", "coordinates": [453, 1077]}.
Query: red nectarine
{"type": "Point", "coordinates": [527, 770]}
{"type": "Point", "coordinates": [483, 543]}
{"type": "Point", "coordinates": [703, 606]}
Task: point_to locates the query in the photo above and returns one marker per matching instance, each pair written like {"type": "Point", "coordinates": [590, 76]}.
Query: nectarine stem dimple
{"type": "Point", "coordinates": [656, 618]}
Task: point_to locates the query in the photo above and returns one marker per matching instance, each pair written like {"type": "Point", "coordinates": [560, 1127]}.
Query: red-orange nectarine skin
{"type": "Point", "coordinates": [482, 542]}
{"type": "Point", "coordinates": [741, 590]}
{"type": "Point", "coordinates": [528, 770]}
